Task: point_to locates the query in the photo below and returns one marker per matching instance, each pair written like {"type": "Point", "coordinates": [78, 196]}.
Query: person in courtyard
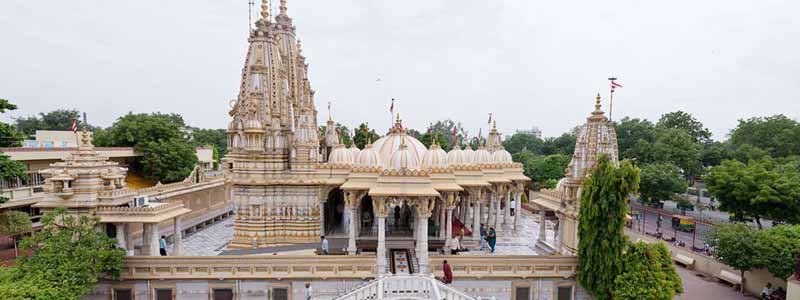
{"type": "Point", "coordinates": [448, 272]}
{"type": "Point", "coordinates": [461, 238]}
{"type": "Point", "coordinates": [308, 291]}
{"type": "Point", "coordinates": [452, 245]}
{"type": "Point", "coordinates": [491, 238]}
{"type": "Point", "coordinates": [484, 245]}
{"type": "Point", "coordinates": [162, 245]}
{"type": "Point", "coordinates": [324, 245]}
{"type": "Point", "coordinates": [766, 291]}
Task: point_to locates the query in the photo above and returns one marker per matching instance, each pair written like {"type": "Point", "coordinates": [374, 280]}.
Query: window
{"type": "Point", "coordinates": [280, 294]}
{"type": "Point", "coordinates": [522, 293]}
{"type": "Point", "coordinates": [222, 294]}
{"type": "Point", "coordinates": [164, 294]}
{"type": "Point", "coordinates": [123, 294]}
{"type": "Point", "coordinates": [564, 293]}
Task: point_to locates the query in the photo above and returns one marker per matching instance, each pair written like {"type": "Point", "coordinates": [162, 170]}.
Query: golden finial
{"type": "Point", "coordinates": [283, 7]}
{"type": "Point", "coordinates": [597, 102]}
{"type": "Point", "coordinates": [265, 10]}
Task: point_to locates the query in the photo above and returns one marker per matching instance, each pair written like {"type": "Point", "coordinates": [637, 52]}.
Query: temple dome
{"type": "Point", "coordinates": [434, 157]}
{"type": "Point", "coordinates": [354, 151]}
{"type": "Point", "coordinates": [252, 124]}
{"type": "Point", "coordinates": [234, 125]}
{"type": "Point", "coordinates": [456, 157]}
{"type": "Point", "coordinates": [404, 158]}
{"type": "Point", "coordinates": [501, 156]}
{"type": "Point", "coordinates": [388, 145]}
{"type": "Point", "coordinates": [368, 158]}
{"type": "Point", "coordinates": [482, 156]}
{"type": "Point", "coordinates": [469, 156]}
{"type": "Point", "coordinates": [341, 155]}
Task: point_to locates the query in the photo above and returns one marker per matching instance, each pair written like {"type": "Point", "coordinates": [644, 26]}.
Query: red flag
{"type": "Point", "coordinates": [615, 85]}
{"type": "Point", "coordinates": [74, 126]}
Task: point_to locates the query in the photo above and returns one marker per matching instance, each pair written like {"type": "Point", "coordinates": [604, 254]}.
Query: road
{"type": "Point", "coordinates": [650, 222]}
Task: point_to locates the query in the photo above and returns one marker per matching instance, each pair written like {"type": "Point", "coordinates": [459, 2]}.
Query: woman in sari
{"type": "Point", "coordinates": [491, 238]}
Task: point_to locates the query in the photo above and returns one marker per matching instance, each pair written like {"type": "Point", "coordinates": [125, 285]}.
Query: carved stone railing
{"type": "Point", "coordinates": [405, 287]}
{"type": "Point", "coordinates": [249, 267]}
{"type": "Point", "coordinates": [138, 210]}
{"type": "Point", "coordinates": [338, 267]}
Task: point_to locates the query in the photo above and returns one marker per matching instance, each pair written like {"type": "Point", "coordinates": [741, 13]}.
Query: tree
{"type": "Point", "coordinates": [9, 135]}
{"type": "Point", "coordinates": [687, 122]}
{"type": "Point", "coordinates": [756, 189]}
{"type": "Point", "coordinates": [10, 169]}
{"type": "Point", "coordinates": [69, 257]}
{"type": "Point", "coordinates": [659, 181]}
{"type": "Point", "coordinates": [648, 273]}
{"type": "Point", "coordinates": [780, 246]}
{"type": "Point", "coordinates": [60, 119]}
{"type": "Point", "coordinates": [133, 129]}
{"type": "Point", "coordinates": [714, 153]}
{"type": "Point", "coordinates": [341, 131]}
{"type": "Point", "coordinates": [441, 139]}
{"type": "Point", "coordinates": [14, 223]}
{"type": "Point", "coordinates": [736, 245]}
{"type": "Point", "coordinates": [364, 135]}
{"type": "Point", "coordinates": [778, 135]}
{"type": "Point", "coordinates": [602, 219]}
{"type": "Point", "coordinates": [632, 134]}
{"type": "Point", "coordinates": [213, 137]}
{"type": "Point", "coordinates": [167, 160]}
{"type": "Point", "coordinates": [747, 152]}
{"type": "Point", "coordinates": [522, 142]}
{"type": "Point", "coordinates": [678, 147]}
{"type": "Point", "coordinates": [564, 144]}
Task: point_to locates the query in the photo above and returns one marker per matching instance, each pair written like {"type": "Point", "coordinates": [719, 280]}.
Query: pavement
{"type": "Point", "coordinates": [697, 286]}
{"type": "Point", "coordinates": [210, 241]}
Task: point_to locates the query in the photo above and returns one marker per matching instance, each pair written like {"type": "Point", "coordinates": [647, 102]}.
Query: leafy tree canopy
{"type": "Point", "coordinates": [60, 119]}
{"type": "Point", "coordinates": [132, 129]}
{"type": "Point", "coordinates": [660, 181]}
{"type": "Point", "coordinates": [632, 133]}
{"type": "Point", "coordinates": [523, 142]}
{"type": "Point", "coordinates": [364, 135]}
{"type": "Point", "coordinates": [6, 105]}
{"type": "Point", "coordinates": [736, 245]}
{"type": "Point", "coordinates": [778, 135]}
{"type": "Point", "coordinates": [780, 246]}
{"type": "Point", "coordinates": [678, 147]}
{"type": "Point", "coordinates": [69, 257]}
{"type": "Point", "coordinates": [648, 273]}
{"type": "Point", "coordinates": [10, 169]}
{"type": "Point", "coordinates": [9, 135]}
{"type": "Point", "coordinates": [686, 121]}
{"type": "Point", "coordinates": [211, 137]}
{"type": "Point", "coordinates": [167, 160]}
{"type": "Point", "coordinates": [602, 219]}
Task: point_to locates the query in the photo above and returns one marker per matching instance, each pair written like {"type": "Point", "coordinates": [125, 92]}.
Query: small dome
{"type": "Point", "coordinates": [234, 125]}
{"type": "Point", "coordinates": [252, 124]}
{"type": "Point", "coordinates": [388, 145]}
{"type": "Point", "coordinates": [341, 156]}
{"type": "Point", "coordinates": [456, 157]}
{"type": "Point", "coordinates": [368, 158]}
{"type": "Point", "coordinates": [434, 157]}
{"type": "Point", "coordinates": [354, 151]}
{"type": "Point", "coordinates": [482, 156]}
{"type": "Point", "coordinates": [469, 156]}
{"type": "Point", "coordinates": [501, 156]}
{"type": "Point", "coordinates": [404, 158]}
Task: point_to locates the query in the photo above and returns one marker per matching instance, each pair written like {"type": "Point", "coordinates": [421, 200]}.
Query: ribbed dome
{"type": "Point", "coordinates": [501, 156]}
{"type": "Point", "coordinates": [354, 151]}
{"type": "Point", "coordinates": [469, 156]}
{"type": "Point", "coordinates": [434, 157]}
{"type": "Point", "coordinates": [404, 158]}
{"type": "Point", "coordinates": [252, 124]}
{"type": "Point", "coordinates": [456, 157]}
{"type": "Point", "coordinates": [340, 155]}
{"type": "Point", "coordinates": [368, 157]}
{"type": "Point", "coordinates": [234, 125]}
{"type": "Point", "coordinates": [388, 145]}
{"type": "Point", "coordinates": [482, 156]}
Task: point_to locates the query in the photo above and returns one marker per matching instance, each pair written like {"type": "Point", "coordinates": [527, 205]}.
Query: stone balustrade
{"type": "Point", "coordinates": [338, 267]}
{"type": "Point", "coordinates": [405, 287]}
{"type": "Point", "coordinates": [137, 210]}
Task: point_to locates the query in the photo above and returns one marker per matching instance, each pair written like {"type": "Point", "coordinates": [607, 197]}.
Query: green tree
{"type": "Point", "coordinates": [780, 246]}
{"type": "Point", "coordinates": [9, 135]}
{"type": "Point", "coordinates": [660, 181]}
{"type": "Point", "coordinates": [167, 160]}
{"type": "Point", "coordinates": [14, 223]}
{"type": "Point", "coordinates": [60, 119]}
{"type": "Point", "coordinates": [714, 153]}
{"type": "Point", "coordinates": [132, 129]}
{"type": "Point", "coordinates": [602, 219]}
{"type": "Point", "coordinates": [364, 136]}
{"type": "Point", "coordinates": [678, 147]}
{"type": "Point", "coordinates": [564, 144]}
{"type": "Point", "coordinates": [687, 122]}
{"type": "Point", "coordinates": [778, 135]}
{"type": "Point", "coordinates": [214, 137]}
{"type": "Point", "coordinates": [747, 152]}
{"type": "Point", "coordinates": [736, 245]}
{"type": "Point", "coordinates": [648, 274]}
{"type": "Point", "coordinates": [523, 142]}
{"type": "Point", "coordinates": [10, 169]}
{"type": "Point", "coordinates": [632, 134]}
{"type": "Point", "coordinates": [69, 257]}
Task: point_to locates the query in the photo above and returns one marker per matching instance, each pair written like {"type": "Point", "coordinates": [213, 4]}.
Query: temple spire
{"type": "Point", "coordinates": [265, 10]}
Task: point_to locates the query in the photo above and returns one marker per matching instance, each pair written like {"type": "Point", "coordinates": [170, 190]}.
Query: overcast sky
{"type": "Point", "coordinates": [531, 63]}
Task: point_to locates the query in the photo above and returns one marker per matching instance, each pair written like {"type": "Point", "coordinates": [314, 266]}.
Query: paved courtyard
{"type": "Point", "coordinates": [520, 241]}
{"type": "Point", "coordinates": [703, 288]}
{"type": "Point", "coordinates": [210, 241]}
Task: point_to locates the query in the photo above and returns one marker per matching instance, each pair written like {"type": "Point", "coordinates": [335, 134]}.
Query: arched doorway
{"type": "Point", "coordinates": [367, 220]}
{"type": "Point", "coordinates": [334, 212]}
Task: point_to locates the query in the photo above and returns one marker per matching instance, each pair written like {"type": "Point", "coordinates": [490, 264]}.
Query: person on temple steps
{"type": "Point", "coordinates": [452, 245]}
{"type": "Point", "coordinates": [324, 245]}
{"type": "Point", "coordinates": [448, 272]}
{"type": "Point", "coordinates": [492, 238]}
{"type": "Point", "coordinates": [162, 245]}
{"type": "Point", "coordinates": [484, 246]}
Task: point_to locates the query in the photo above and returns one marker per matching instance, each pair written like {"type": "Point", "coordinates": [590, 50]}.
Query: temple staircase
{"type": "Point", "coordinates": [410, 287]}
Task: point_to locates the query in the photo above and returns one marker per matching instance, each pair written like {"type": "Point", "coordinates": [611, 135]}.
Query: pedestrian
{"type": "Point", "coordinates": [308, 292]}
{"type": "Point", "coordinates": [483, 244]}
{"type": "Point", "coordinates": [766, 291]}
{"type": "Point", "coordinates": [452, 245]}
{"type": "Point", "coordinates": [461, 238]}
{"type": "Point", "coordinates": [324, 245]}
{"type": "Point", "coordinates": [162, 245]}
{"type": "Point", "coordinates": [448, 272]}
{"type": "Point", "coordinates": [492, 238]}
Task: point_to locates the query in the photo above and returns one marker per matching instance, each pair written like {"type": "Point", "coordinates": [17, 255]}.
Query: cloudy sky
{"type": "Point", "coordinates": [531, 63]}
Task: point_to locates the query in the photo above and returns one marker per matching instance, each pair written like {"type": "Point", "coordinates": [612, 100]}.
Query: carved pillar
{"type": "Point", "coordinates": [491, 214]}
{"type": "Point", "coordinates": [423, 212]}
{"type": "Point", "coordinates": [442, 220]}
{"type": "Point", "coordinates": [476, 220]}
{"type": "Point", "coordinates": [177, 248]}
{"type": "Point", "coordinates": [449, 231]}
{"type": "Point", "coordinates": [517, 209]}
{"type": "Point", "coordinates": [146, 249]}
{"type": "Point", "coordinates": [129, 241]}
{"type": "Point", "coordinates": [322, 217]}
{"type": "Point", "coordinates": [381, 211]}
{"type": "Point", "coordinates": [507, 217]}
{"type": "Point", "coordinates": [468, 214]}
{"type": "Point", "coordinates": [121, 236]}
{"type": "Point", "coordinates": [350, 200]}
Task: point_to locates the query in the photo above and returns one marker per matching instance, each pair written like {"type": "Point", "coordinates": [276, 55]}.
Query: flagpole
{"type": "Point", "coordinates": [611, 98]}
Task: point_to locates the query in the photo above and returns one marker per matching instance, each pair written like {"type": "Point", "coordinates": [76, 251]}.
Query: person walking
{"type": "Point", "coordinates": [483, 244]}
{"type": "Point", "coordinates": [307, 293]}
{"type": "Point", "coordinates": [448, 272]}
{"type": "Point", "coordinates": [492, 238]}
{"type": "Point", "coordinates": [162, 245]}
{"type": "Point", "coordinates": [324, 245]}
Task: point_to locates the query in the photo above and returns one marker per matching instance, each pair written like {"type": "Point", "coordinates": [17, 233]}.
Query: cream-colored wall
{"type": "Point", "coordinates": [205, 155]}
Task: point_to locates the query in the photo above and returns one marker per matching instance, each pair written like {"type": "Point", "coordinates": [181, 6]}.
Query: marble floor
{"type": "Point", "coordinates": [210, 241]}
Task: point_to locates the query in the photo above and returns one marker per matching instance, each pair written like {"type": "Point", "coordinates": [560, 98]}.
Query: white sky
{"type": "Point", "coordinates": [529, 62]}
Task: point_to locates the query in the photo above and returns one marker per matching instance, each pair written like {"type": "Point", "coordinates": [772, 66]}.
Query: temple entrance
{"type": "Point", "coordinates": [400, 222]}
{"type": "Point", "coordinates": [335, 222]}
